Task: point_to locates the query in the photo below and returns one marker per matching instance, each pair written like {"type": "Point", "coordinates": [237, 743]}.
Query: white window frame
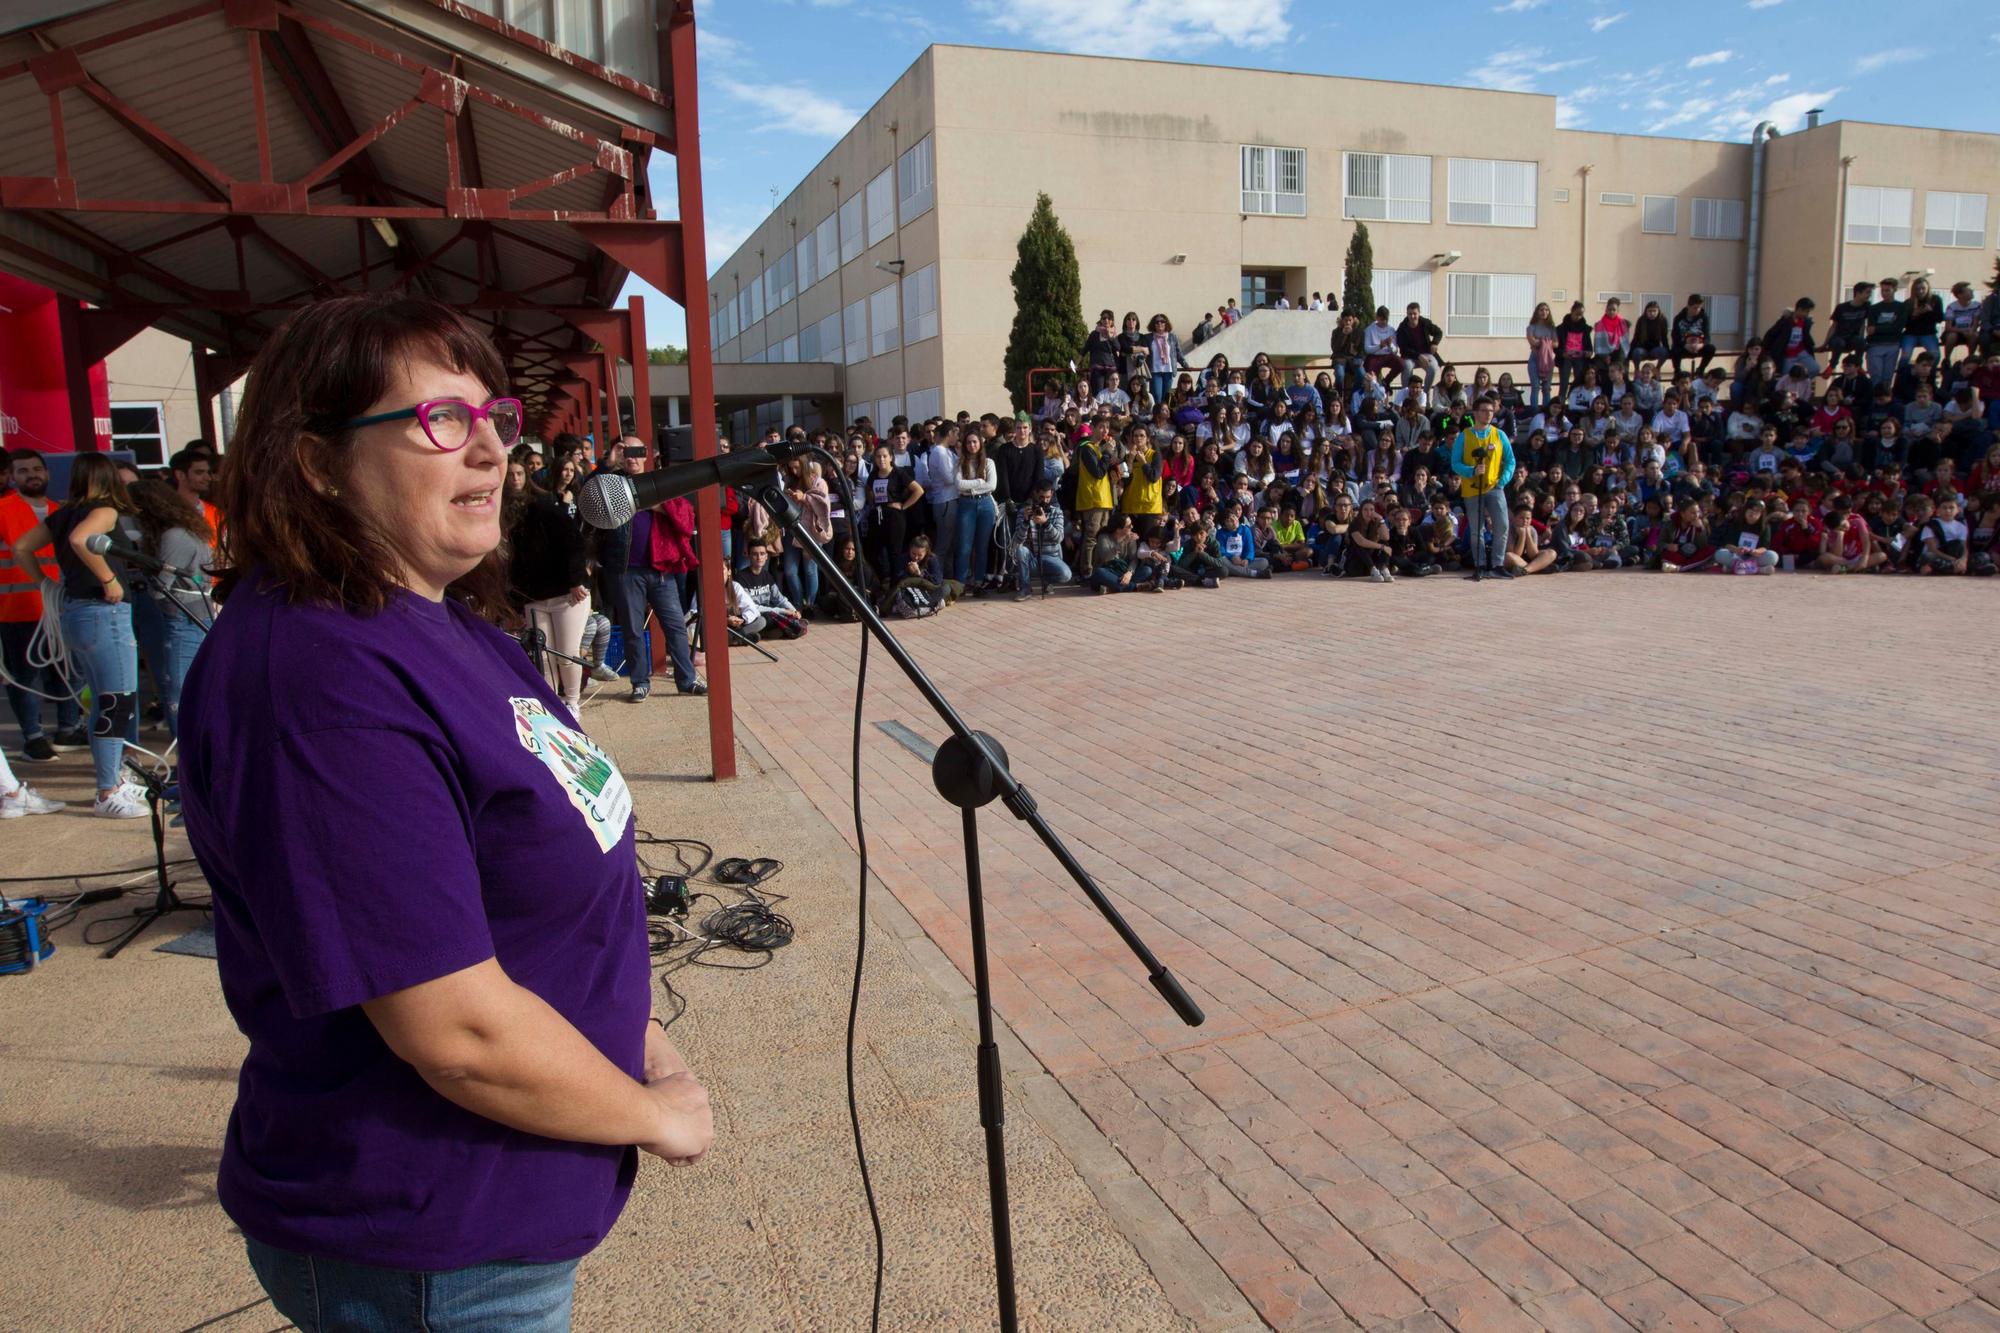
{"type": "Point", "coordinates": [1718, 303]}
{"type": "Point", "coordinates": [1875, 205]}
{"type": "Point", "coordinates": [1273, 180]}
{"type": "Point", "coordinates": [1673, 219]}
{"type": "Point", "coordinates": [1667, 307]}
{"type": "Point", "coordinates": [1387, 206]}
{"type": "Point", "coordinates": [850, 229]}
{"type": "Point", "coordinates": [884, 330]}
{"type": "Point", "coordinates": [916, 179]}
{"type": "Point", "coordinates": [1624, 300]}
{"type": "Point", "coordinates": [923, 404]}
{"type": "Point", "coordinates": [1954, 229]}
{"type": "Point", "coordinates": [881, 206]}
{"type": "Point", "coordinates": [1475, 186]}
{"type": "Point", "coordinates": [1617, 198]}
{"type": "Point", "coordinates": [1405, 283]}
{"type": "Point", "coordinates": [854, 331]}
{"type": "Point", "coordinates": [1716, 219]}
{"type": "Point", "coordinates": [886, 411]}
{"type": "Point", "coordinates": [920, 305]}
{"type": "Point", "coordinates": [1488, 290]}
{"type": "Point", "coordinates": [138, 441]}
{"type": "Point", "coordinates": [826, 246]}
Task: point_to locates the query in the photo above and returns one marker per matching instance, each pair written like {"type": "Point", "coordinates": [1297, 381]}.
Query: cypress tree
{"type": "Point", "coordinates": [1357, 285]}
{"type": "Point", "coordinates": [1048, 302]}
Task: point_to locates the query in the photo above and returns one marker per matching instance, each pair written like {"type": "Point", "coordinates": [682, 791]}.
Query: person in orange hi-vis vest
{"type": "Point", "coordinates": [21, 509]}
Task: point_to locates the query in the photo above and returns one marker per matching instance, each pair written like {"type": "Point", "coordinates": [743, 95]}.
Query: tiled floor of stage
{"type": "Point", "coordinates": [1580, 952]}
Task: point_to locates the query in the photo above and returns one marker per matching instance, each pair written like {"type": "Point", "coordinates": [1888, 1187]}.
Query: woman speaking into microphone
{"type": "Point", "coordinates": [428, 915]}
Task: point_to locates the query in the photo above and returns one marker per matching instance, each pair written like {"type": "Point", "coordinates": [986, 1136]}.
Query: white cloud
{"type": "Point", "coordinates": [1898, 55]}
{"type": "Point", "coordinates": [1712, 58]}
{"type": "Point", "coordinates": [793, 107]}
{"type": "Point", "coordinates": [1743, 109]}
{"type": "Point", "coordinates": [1141, 28]}
{"type": "Point", "coordinates": [1569, 116]}
{"type": "Point", "coordinates": [1518, 6]}
{"type": "Point", "coordinates": [1604, 21]}
{"type": "Point", "coordinates": [1515, 69]}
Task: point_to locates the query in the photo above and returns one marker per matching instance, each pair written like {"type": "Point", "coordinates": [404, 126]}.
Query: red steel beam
{"type": "Point", "coordinates": [687, 245]}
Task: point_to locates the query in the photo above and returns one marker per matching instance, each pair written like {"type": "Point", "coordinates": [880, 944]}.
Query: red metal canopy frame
{"type": "Point", "coordinates": [209, 167]}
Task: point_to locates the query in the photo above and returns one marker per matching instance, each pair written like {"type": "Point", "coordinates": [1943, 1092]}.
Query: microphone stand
{"type": "Point", "coordinates": [970, 771]}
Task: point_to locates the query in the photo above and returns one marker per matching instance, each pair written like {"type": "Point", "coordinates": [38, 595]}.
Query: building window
{"type": "Point", "coordinates": [1662, 214]}
{"type": "Point", "coordinates": [882, 207]}
{"type": "Point", "coordinates": [1716, 220]}
{"type": "Point", "coordinates": [1488, 305]}
{"type": "Point", "coordinates": [882, 321]}
{"type": "Point", "coordinates": [1957, 220]}
{"type": "Point", "coordinates": [788, 350]}
{"type": "Point", "coordinates": [754, 294]}
{"type": "Point", "coordinates": [1387, 187]}
{"type": "Point", "coordinates": [803, 260]}
{"type": "Point", "coordinates": [886, 411]}
{"type": "Point", "coordinates": [916, 180]}
{"type": "Point", "coordinates": [829, 339]}
{"type": "Point", "coordinates": [826, 246]}
{"type": "Point", "coordinates": [142, 428]}
{"type": "Point", "coordinates": [773, 289]}
{"type": "Point", "coordinates": [788, 278]}
{"type": "Point", "coordinates": [920, 320]}
{"type": "Point", "coordinates": [1485, 193]}
{"type": "Point", "coordinates": [1396, 288]}
{"type": "Point", "coordinates": [1617, 199]}
{"type": "Point", "coordinates": [925, 404]}
{"type": "Point", "coordinates": [850, 229]}
{"type": "Point", "coordinates": [1624, 299]}
{"type": "Point", "coordinates": [809, 343]}
{"type": "Point", "coordinates": [714, 329]}
{"type": "Point", "coordinates": [1274, 181]}
{"type": "Point", "coordinates": [1725, 313]}
{"type": "Point", "coordinates": [1878, 215]}
{"type": "Point", "coordinates": [1667, 307]}
{"type": "Point", "coordinates": [854, 324]}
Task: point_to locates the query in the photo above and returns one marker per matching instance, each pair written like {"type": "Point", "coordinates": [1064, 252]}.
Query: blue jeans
{"type": "Point", "coordinates": [800, 577]}
{"type": "Point", "coordinates": [944, 531]}
{"type": "Point", "coordinates": [1538, 384]}
{"type": "Point", "coordinates": [1882, 359]}
{"type": "Point", "coordinates": [1927, 341]}
{"type": "Point", "coordinates": [1163, 385]}
{"type": "Point", "coordinates": [1490, 510]}
{"type": "Point", "coordinates": [27, 705]}
{"type": "Point", "coordinates": [1049, 567]}
{"type": "Point", "coordinates": [661, 593]}
{"type": "Point", "coordinates": [100, 641]}
{"type": "Point", "coordinates": [328, 1296]}
{"type": "Point", "coordinates": [976, 515]}
{"type": "Point", "coordinates": [183, 640]}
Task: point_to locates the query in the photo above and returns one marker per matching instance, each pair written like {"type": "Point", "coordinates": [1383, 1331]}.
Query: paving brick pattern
{"type": "Point", "coordinates": [1582, 953]}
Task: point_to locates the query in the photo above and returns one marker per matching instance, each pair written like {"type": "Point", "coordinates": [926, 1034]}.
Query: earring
{"type": "Point", "coordinates": [333, 492]}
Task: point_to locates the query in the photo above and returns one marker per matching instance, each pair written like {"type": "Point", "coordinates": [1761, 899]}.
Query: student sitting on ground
{"type": "Point", "coordinates": [1367, 548]}
{"type": "Point", "coordinates": [1290, 535]}
{"type": "Point", "coordinates": [1943, 540]}
{"type": "Point", "coordinates": [1525, 553]}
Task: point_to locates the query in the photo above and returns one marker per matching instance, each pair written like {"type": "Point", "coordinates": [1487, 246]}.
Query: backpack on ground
{"type": "Point", "coordinates": [913, 603]}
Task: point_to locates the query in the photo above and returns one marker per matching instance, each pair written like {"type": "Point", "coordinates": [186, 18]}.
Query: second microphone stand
{"type": "Point", "coordinates": [970, 771]}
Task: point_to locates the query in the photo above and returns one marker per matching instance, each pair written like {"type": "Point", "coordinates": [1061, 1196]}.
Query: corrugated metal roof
{"type": "Point", "coordinates": [192, 81]}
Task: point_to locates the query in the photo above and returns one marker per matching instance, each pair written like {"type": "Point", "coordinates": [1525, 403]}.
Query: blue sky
{"type": "Point", "coordinates": [783, 80]}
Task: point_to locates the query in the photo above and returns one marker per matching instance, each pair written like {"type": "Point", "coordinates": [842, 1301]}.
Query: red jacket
{"type": "Point", "coordinates": [20, 594]}
{"type": "Point", "coordinates": [673, 536]}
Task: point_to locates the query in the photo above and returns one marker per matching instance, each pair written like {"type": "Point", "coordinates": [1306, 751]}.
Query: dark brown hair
{"type": "Point", "coordinates": [159, 507]}
{"type": "Point", "coordinates": [95, 477]}
{"type": "Point", "coordinates": [283, 479]}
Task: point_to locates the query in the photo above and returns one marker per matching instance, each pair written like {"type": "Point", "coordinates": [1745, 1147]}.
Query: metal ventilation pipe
{"type": "Point", "coordinates": [1765, 130]}
{"type": "Point", "coordinates": [1812, 117]}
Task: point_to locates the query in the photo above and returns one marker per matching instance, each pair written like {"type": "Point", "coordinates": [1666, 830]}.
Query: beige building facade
{"type": "Point", "coordinates": [1184, 186]}
{"type": "Point", "coordinates": [154, 410]}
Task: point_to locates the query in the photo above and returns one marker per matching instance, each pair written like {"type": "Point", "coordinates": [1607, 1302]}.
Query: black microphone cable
{"type": "Point", "coordinates": [837, 476]}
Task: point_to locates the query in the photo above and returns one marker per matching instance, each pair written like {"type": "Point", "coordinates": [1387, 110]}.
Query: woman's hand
{"type": "Point", "coordinates": [114, 591]}
{"type": "Point", "coordinates": [578, 594]}
{"type": "Point", "coordinates": [686, 1125]}
{"type": "Point", "coordinates": [661, 1057]}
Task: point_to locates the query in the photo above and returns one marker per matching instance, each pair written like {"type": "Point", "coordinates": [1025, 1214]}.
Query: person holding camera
{"type": "Point", "coordinates": [1483, 458]}
{"type": "Point", "coordinates": [1038, 543]}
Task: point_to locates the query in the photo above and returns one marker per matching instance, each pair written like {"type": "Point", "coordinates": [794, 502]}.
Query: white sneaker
{"type": "Point", "coordinates": [120, 804]}
{"type": "Point", "coordinates": [25, 800]}
{"type": "Point", "coordinates": [1375, 575]}
{"type": "Point", "coordinates": [1388, 576]}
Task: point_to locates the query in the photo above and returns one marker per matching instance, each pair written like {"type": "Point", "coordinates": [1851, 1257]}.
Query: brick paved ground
{"type": "Point", "coordinates": [1579, 953]}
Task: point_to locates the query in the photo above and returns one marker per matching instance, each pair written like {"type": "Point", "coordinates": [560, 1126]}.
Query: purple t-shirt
{"type": "Point", "coordinates": [379, 801]}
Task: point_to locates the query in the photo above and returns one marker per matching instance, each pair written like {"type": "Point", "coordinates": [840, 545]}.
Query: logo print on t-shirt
{"type": "Point", "coordinates": [588, 777]}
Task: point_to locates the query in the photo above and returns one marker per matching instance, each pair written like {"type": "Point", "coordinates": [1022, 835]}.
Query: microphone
{"type": "Point", "coordinates": [101, 544]}
{"type": "Point", "coordinates": [610, 499]}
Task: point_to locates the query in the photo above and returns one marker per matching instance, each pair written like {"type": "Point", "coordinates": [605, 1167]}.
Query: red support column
{"type": "Point", "coordinates": [76, 375]}
{"type": "Point", "coordinates": [678, 57]}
